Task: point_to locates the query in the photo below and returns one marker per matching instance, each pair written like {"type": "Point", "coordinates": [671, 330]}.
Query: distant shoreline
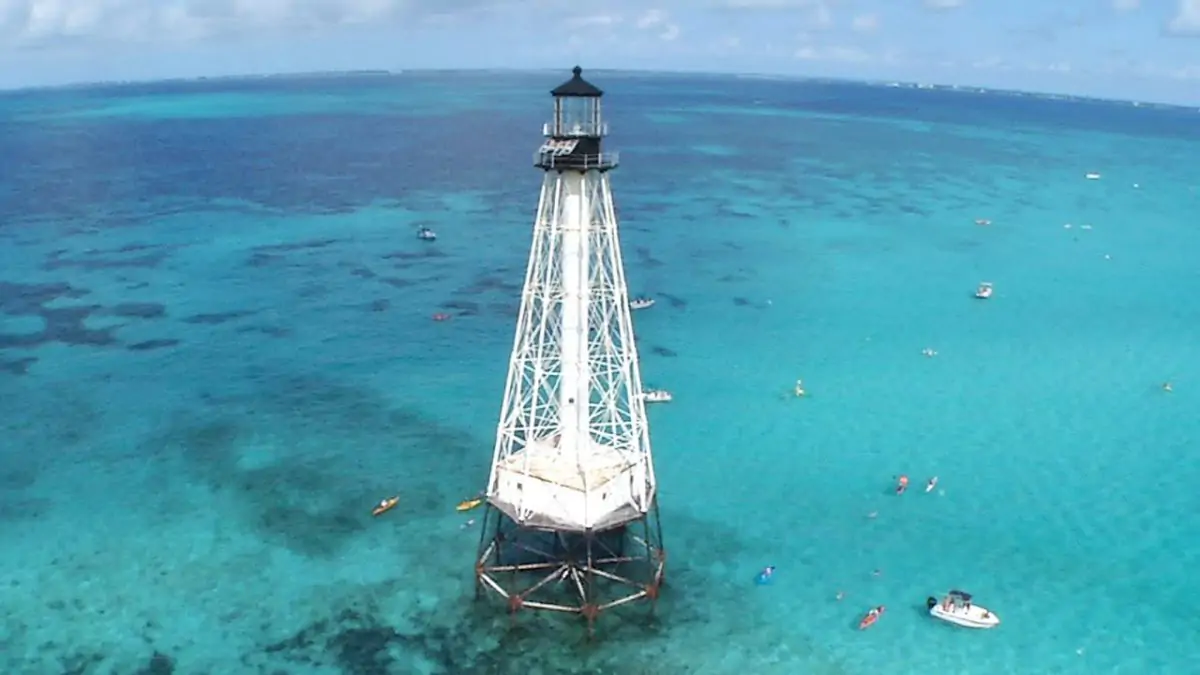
{"type": "Point", "coordinates": [376, 73]}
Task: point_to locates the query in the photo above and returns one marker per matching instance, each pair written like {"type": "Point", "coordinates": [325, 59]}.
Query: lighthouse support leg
{"type": "Point", "coordinates": [583, 573]}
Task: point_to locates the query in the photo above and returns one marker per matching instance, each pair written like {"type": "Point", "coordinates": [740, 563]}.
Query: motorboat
{"type": "Point", "coordinates": [957, 608]}
{"type": "Point", "coordinates": [641, 303]}
{"type": "Point", "coordinates": [426, 234]}
{"type": "Point", "coordinates": [657, 396]}
{"type": "Point", "coordinates": [984, 291]}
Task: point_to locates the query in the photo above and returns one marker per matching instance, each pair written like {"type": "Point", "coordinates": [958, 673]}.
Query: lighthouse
{"type": "Point", "coordinates": [571, 522]}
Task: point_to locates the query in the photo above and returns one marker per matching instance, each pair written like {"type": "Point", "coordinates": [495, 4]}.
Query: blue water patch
{"type": "Point", "coordinates": [218, 353]}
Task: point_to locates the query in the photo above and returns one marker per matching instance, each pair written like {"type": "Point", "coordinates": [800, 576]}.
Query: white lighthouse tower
{"type": "Point", "coordinates": [572, 512]}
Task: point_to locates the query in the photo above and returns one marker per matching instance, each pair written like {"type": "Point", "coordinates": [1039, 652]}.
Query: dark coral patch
{"type": "Point", "coordinates": [158, 664]}
{"type": "Point", "coordinates": [673, 300]}
{"type": "Point", "coordinates": [24, 299]}
{"type": "Point", "coordinates": [62, 324]}
{"type": "Point", "coordinates": [271, 331]}
{"type": "Point", "coordinates": [645, 258]}
{"type": "Point", "coordinates": [94, 261]}
{"type": "Point", "coordinates": [217, 318]}
{"type": "Point", "coordinates": [263, 259]}
{"type": "Point", "coordinates": [423, 254]}
{"type": "Point", "coordinates": [298, 246]}
{"type": "Point", "coordinates": [357, 642]}
{"type": "Point", "coordinates": [486, 282]}
{"type": "Point", "coordinates": [138, 310]}
{"type": "Point", "coordinates": [99, 260]}
{"type": "Point", "coordinates": [66, 325]}
{"type": "Point", "coordinates": [463, 307]}
{"type": "Point", "coordinates": [17, 366]}
{"type": "Point", "coordinates": [313, 509]}
{"type": "Point", "coordinates": [150, 345]}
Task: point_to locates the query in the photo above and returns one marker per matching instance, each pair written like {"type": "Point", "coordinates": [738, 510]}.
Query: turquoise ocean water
{"type": "Point", "coordinates": [216, 355]}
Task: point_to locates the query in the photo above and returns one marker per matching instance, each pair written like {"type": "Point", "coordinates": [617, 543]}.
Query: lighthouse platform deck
{"type": "Point", "coordinates": [596, 487]}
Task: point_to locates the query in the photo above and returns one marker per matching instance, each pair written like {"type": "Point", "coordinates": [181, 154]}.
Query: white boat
{"type": "Point", "coordinates": [641, 303]}
{"type": "Point", "coordinates": [657, 396]}
{"type": "Point", "coordinates": [958, 609]}
{"type": "Point", "coordinates": [1092, 176]}
{"type": "Point", "coordinates": [984, 291]}
{"type": "Point", "coordinates": [426, 234]}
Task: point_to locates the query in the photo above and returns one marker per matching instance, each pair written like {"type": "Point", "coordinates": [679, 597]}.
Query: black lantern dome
{"type": "Point", "coordinates": [574, 136]}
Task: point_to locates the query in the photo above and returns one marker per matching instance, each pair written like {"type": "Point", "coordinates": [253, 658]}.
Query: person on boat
{"type": "Point", "coordinates": [902, 484]}
{"type": "Point", "coordinates": [871, 617]}
{"type": "Point", "coordinates": [765, 575]}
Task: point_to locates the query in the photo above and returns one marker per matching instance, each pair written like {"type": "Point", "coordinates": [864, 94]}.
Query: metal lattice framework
{"type": "Point", "coordinates": [573, 420]}
{"type": "Point", "coordinates": [571, 522]}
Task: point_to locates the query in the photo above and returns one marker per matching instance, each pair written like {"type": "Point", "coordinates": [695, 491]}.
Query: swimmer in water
{"type": "Point", "coordinates": [800, 389]}
{"type": "Point", "coordinates": [1166, 386]}
{"type": "Point", "coordinates": [873, 514]}
{"type": "Point", "coordinates": [902, 484]}
{"type": "Point", "coordinates": [467, 524]}
{"type": "Point", "coordinates": [840, 595]}
{"type": "Point", "coordinates": [765, 575]}
{"type": "Point", "coordinates": [931, 484]}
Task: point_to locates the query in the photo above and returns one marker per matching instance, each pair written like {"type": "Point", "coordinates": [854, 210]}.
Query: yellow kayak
{"type": "Point", "coordinates": [468, 504]}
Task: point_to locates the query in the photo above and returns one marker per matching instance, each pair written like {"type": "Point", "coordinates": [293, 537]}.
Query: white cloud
{"type": "Point", "coordinates": [842, 54]}
{"type": "Point", "coordinates": [1185, 73]}
{"type": "Point", "coordinates": [660, 22]}
{"type": "Point", "coordinates": [1187, 19]}
{"type": "Point", "coordinates": [819, 12]}
{"type": "Point", "coordinates": [767, 4]}
{"type": "Point", "coordinates": [651, 19]}
{"type": "Point", "coordinates": [865, 23]}
{"type": "Point", "coordinates": [1126, 5]}
{"type": "Point", "coordinates": [821, 17]}
{"type": "Point", "coordinates": [594, 21]}
{"type": "Point", "coordinates": [38, 22]}
{"type": "Point", "coordinates": [944, 4]}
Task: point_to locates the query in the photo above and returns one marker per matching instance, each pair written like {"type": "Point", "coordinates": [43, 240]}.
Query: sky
{"type": "Point", "coordinates": [1133, 49]}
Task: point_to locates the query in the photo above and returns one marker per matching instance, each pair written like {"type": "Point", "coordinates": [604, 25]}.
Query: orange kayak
{"type": "Point", "coordinates": [468, 504]}
{"type": "Point", "coordinates": [870, 619]}
{"type": "Point", "coordinates": [385, 506]}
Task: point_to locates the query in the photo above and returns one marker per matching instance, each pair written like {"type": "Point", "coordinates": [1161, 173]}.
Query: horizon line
{"type": "Point", "coordinates": [363, 72]}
